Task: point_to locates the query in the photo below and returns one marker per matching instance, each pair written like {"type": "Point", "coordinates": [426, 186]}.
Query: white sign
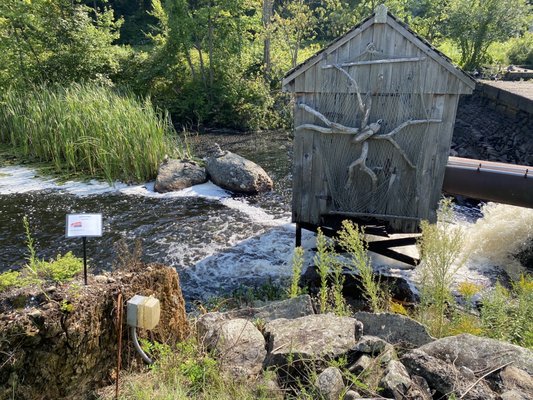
{"type": "Point", "coordinates": [80, 225]}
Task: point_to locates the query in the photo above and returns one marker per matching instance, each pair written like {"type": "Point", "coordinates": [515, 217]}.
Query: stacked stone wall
{"type": "Point", "coordinates": [496, 125]}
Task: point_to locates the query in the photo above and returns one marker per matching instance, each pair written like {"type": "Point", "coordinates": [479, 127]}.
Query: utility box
{"type": "Point", "coordinates": [143, 312]}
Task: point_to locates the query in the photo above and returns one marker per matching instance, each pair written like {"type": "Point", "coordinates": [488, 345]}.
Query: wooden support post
{"type": "Point", "coordinates": [298, 235]}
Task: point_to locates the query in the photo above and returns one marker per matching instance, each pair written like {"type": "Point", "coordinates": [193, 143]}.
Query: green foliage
{"type": "Point", "coordinates": [351, 239]}
{"type": "Point", "coordinates": [56, 41]}
{"type": "Point", "coordinates": [506, 315]}
{"type": "Point", "coordinates": [322, 262]}
{"type": "Point", "coordinates": [186, 371]}
{"type": "Point", "coordinates": [36, 271]}
{"type": "Point", "coordinates": [10, 279]}
{"type": "Point", "coordinates": [297, 264]}
{"type": "Point", "coordinates": [474, 25]}
{"type": "Point", "coordinates": [520, 50]}
{"type": "Point", "coordinates": [440, 246]}
{"type": "Point", "coordinates": [87, 129]}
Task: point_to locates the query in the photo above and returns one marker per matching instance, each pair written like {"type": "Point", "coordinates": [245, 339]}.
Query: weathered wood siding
{"type": "Point", "coordinates": [439, 86]}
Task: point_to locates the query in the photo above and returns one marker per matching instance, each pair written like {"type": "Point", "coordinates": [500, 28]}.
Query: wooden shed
{"type": "Point", "coordinates": [373, 116]}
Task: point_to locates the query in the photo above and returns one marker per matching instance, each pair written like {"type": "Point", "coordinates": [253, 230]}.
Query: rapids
{"type": "Point", "coordinates": [218, 241]}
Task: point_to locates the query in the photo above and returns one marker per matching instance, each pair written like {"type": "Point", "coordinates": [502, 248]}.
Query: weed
{"type": "Point", "coordinates": [506, 314]}
{"type": "Point", "coordinates": [351, 239]}
{"type": "Point", "coordinates": [61, 269]}
{"type": "Point", "coordinates": [322, 260]}
{"type": "Point", "coordinates": [440, 246]}
{"type": "Point", "coordinates": [297, 264]}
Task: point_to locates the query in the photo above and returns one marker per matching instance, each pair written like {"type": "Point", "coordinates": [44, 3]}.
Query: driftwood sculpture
{"type": "Point", "coordinates": [367, 131]}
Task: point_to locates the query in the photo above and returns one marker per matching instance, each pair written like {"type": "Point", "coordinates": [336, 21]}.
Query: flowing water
{"type": "Point", "coordinates": [216, 240]}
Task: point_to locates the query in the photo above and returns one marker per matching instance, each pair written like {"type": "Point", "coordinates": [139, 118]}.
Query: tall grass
{"type": "Point", "coordinates": [87, 129]}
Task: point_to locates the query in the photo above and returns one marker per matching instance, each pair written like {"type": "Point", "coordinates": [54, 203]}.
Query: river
{"type": "Point", "coordinates": [217, 241]}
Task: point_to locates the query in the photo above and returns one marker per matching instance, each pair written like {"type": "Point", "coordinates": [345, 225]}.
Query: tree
{"type": "Point", "coordinates": [475, 24]}
{"type": "Point", "coordinates": [295, 22]}
{"type": "Point", "coordinates": [56, 41]}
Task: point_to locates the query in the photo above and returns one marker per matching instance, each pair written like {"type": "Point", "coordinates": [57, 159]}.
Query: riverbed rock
{"type": "Point", "coordinates": [289, 309]}
{"type": "Point", "coordinates": [232, 172]}
{"type": "Point", "coordinates": [396, 381]}
{"type": "Point", "coordinates": [178, 174]}
{"type": "Point", "coordinates": [240, 348]}
{"type": "Point", "coordinates": [478, 353]}
{"type": "Point", "coordinates": [313, 337]}
{"type": "Point", "coordinates": [444, 378]}
{"type": "Point", "coordinates": [330, 384]}
{"type": "Point", "coordinates": [394, 328]}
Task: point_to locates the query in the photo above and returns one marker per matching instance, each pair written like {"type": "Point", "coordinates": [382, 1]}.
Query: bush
{"type": "Point", "coordinates": [521, 50]}
{"type": "Point", "coordinates": [88, 129]}
{"type": "Point", "coordinates": [506, 315]}
{"type": "Point", "coordinates": [440, 246]}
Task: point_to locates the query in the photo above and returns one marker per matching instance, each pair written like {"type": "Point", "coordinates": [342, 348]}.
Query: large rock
{"type": "Point", "coordinates": [178, 174]}
{"type": "Point", "coordinates": [478, 353]}
{"type": "Point", "coordinates": [233, 172]}
{"type": "Point", "coordinates": [396, 381]}
{"type": "Point", "coordinates": [445, 378]}
{"type": "Point", "coordinates": [289, 309]}
{"type": "Point", "coordinates": [330, 384]}
{"type": "Point", "coordinates": [394, 328]}
{"type": "Point", "coordinates": [239, 346]}
{"type": "Point", "coordinates": [314, 337]}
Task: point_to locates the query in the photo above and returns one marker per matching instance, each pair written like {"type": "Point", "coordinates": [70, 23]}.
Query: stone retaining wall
{"type": "Point", "coordinates": [494, 124]}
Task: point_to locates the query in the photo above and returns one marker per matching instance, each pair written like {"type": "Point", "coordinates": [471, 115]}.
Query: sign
{"type": "Point", "coordinates": [83, 225]}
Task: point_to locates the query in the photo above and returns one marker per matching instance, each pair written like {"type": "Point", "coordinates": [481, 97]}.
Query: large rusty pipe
{"type": "Point", "coordinates": [489, 181]}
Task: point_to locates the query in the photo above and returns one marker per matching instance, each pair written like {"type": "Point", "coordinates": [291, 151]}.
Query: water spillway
{"type": "Point", "coordinates": [489, 181]}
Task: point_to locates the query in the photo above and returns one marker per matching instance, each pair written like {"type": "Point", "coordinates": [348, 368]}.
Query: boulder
{"type": "Point", "coordinates": [351, 395]}
{"type": "Point", "coordinates": [478, 353]}
{"type": "Point", "coordinates": [178, 174]}
{"type": "Point", "coordinates": [239, 346]}
{"type": "Point", "coordinates": [313, 337]}
{"type": "Point", "coordinates": [372, 345]}
{"type": "Point", "coordinates": [289, 309]}
{"type": "Point", "coordinates": [445, 378]}
{"type": "Point", "coordinates": [394, 328]}
{"type": "Point", "coordinates": [362, 363]}
{"type": "Point", "coordinates": [233, 172]}
{"type": "Point", "coordinates": [396, 380]}
{"type": "Point", "coordinates": [516, 379]}
{"type": "Point", "coordinates": [330, 384]}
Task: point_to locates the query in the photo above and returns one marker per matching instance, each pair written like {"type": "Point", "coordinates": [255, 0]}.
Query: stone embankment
{"type": "Point", "coordinates": [390, 353]}
{"type": "Point", "coordinates": [496, 123]}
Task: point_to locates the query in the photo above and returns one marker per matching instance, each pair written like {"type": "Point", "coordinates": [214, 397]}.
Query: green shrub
{"type": "Point", "coordinates": [61, 269]}
{"type": "Point", "coordinates": [9, 279]}
{"type": "Point", "coordinates": [440, 246]}
{"type": "Point", "coordinates": [351, 239]}
{"type": "Point", "coordinates": [506, 315]}
{"type": "Point", "coordinates": [297, 263]}
{"type": "Point", "coordinates": [520, 50]}
{"type": "Point", "coordinates": [323, 260]}
{"type": "Point", "coordinates": [88, 129]}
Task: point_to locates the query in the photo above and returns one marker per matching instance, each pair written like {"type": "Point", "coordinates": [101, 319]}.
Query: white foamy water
{"type": "Point", "coordinates": [18, 179]}
{"type": "Point", "coordinates": [257, 246]}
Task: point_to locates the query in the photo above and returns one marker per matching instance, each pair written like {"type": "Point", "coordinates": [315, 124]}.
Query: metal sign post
{"type": "Point", "coordinates": [84, 226]}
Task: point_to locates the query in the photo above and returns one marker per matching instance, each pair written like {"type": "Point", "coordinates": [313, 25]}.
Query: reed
{"type": "Point", "coordinates": [88, 129]}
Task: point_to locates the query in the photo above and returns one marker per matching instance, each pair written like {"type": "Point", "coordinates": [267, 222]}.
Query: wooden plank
{"type": "Point", "coordinates": [310, 80]}
{"type": "Point", "coordinates": [467, 80]}
{"type": "Point", "coordinates": [330, 48]}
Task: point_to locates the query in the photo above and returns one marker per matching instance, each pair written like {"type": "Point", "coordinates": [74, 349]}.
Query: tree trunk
{"type": "Point", "coordinates": [267, 16]}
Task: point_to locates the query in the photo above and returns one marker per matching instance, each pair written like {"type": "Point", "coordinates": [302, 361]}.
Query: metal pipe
{"type": "Point", "coordinates": [137, 346]}
{"type": "Point", "coordinates": [489, 181]}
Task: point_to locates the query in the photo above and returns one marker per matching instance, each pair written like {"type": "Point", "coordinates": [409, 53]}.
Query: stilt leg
{"type": "Point", "coordinates": [298, 235]}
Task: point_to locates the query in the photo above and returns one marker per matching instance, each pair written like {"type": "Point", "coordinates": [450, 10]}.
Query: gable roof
{"type": "Point", "coordinates": [399, 26]}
